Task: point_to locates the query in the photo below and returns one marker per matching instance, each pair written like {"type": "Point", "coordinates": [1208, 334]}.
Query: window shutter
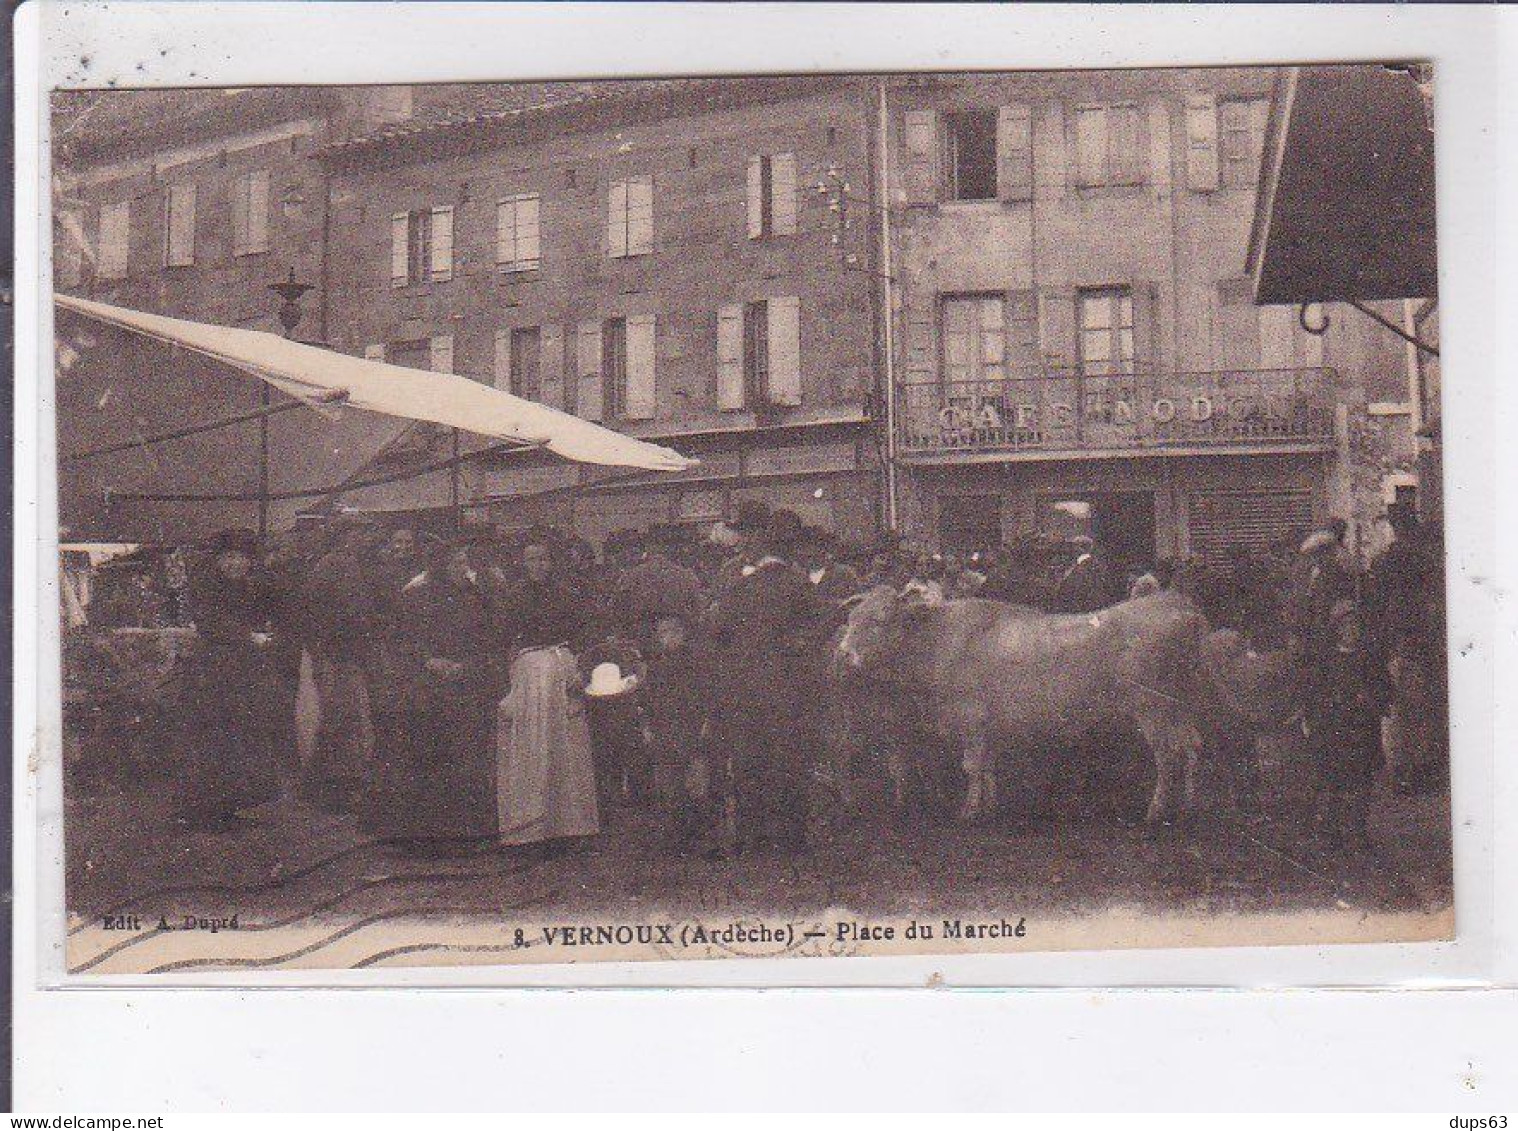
{"type": "Point", "coordinates": [440, 354]}
{"type": "Point", "coordinates": [529, 232]}
{"type": "Point", "coordinates": [1201, 142]}
{"type": "Point", "coordinates": [918, 339]}
{"type": "Point", "coordinates": [240, 216]}
{"type": "Point", "coordinates": [755, 197]}
{"type": "Point", "coordinates": [1056, 328]}
{"type": "Point", "coordinates": [919, 171]}
{"type": "Point", "coordinates": [640, 367]}
{"type": "Point", "coordinates": [551, 364]}
{"type": "Point", "coordinates": [442, 243]}
{"type": "Point", "coordinates": [258, 212]}
{"type": "Point", "coordinates": [1125, 140]}
{"type": "Point", "coordinates": [115, 240]}
{"type": "Point", "coordinates": [501, 371]}
{"type": "Point", "coordinates": [783, 203]}
{"type": "Point", "coordinates": [1022, 333]}
{"type": "Point", "coordinates": [616, 220]}
{"type": "Point", "coordinates": [1090, 146]}
{"type": "Point", "coordinates": [588, 369]}
{"type": "Point", "coordinates": [505, 232]}
{"type": "Point", "coordinates": [375, 352]}
{"type": "Point", "coordinates": [1145, 339]}
{"type": "Point", "coordinates": [400, 226]}
{"type": "Point", "coordinates": [1014, 152]}
{"type": "Point", "coordinates": [730, 357]}
{"type": "Point", "coordinates": [179, 226]}
{"type": "Point", "coordinates": [785, 350]}
{"type": "Point", "coordinates": [1276, 337]}
{"type": "Point", "coordinates": [640, 215]}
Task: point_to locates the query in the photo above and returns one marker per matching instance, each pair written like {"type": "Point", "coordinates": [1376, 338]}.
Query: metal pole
{"type": "Point", "coordinates": [887, 313]}
{"type": "Point", "coordinates": [265, 399]}
{"type": "Point", "coordinates": [453, 485]}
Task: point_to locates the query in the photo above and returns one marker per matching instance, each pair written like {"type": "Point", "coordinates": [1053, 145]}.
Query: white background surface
{"type": "Point", "coordinates": [93, 1050]}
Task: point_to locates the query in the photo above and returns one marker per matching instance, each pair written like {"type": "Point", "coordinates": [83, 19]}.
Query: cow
{"type": "Point", "coordinates": [988, 676]}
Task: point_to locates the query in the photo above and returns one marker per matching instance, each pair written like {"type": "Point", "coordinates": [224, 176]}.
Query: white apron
{"type": "Point", "coordinates": [545, 780]}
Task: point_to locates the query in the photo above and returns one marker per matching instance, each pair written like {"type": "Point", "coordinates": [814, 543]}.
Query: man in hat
{"type": "Point", "coordinates": [762, 638]}
{"type": "Point", "coordinates": [1086, 584]}
{"type": "Point", "coordinates": [749, 525]}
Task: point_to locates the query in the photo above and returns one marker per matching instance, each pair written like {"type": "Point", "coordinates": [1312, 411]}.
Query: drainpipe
{"type": "Point", "coordinates": [888, 317]}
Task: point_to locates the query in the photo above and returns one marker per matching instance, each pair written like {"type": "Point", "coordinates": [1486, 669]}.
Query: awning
{"type": "Point", "coordinates": [312, 373]}
{"type": "Point", "coordinates": [1346, 204]}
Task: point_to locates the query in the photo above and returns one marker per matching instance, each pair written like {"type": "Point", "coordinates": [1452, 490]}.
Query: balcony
{"type": "Point", "coordinates": [1059, 413]}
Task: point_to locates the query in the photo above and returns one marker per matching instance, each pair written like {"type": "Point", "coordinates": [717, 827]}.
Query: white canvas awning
{"type": "Point", "coordinates": [312, 373]}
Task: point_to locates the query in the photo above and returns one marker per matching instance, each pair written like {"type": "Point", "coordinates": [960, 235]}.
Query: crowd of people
{"type": "Point", "coordinates": [483, 690]}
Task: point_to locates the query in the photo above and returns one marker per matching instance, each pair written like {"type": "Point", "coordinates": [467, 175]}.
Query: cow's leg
{"type": "Point", "coordinates": [1160, 738]}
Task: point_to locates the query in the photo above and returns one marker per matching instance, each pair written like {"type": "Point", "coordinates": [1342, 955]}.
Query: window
{"type": "Point", "coordinates": [974, 339]}
{"type": "Point", "coordinates": [1108, 145]}
{"type": "Point", "coordinates": [179, 226]}
{"type": "Point", "coordinates": [970, 155]}
{"type": "Point", "coordinates": [527, 364]}
{"type": "Point", "coordinates": [771, 195]}
{"type": "Point", "coordinates": [1243, 137]}
{"type": "Point", "coordinates": [614, 365]}
{"type": "Point", "coordinates": [421, 246]}
{"type": "Point", "coordinates": [517, 239]}
{"type": "Point", "coordinates": [1106, 330]}
{"type": "Point", "coordinates": [250, 213]}
{"type": "Point", "coordinates": [630, 217]}
{"type": "Point", "coordinates": [759, 353]}
{"type": "Point", "coordinates": [115, 239]}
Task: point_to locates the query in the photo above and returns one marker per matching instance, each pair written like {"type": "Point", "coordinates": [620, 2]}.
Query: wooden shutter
{"type": "Point", "coordinates": [616, 220]}
{"type": "Point", "coordinates": [640, 215]}
{"type": "Point", "coordinates": [919, 169]}
{"type": "Point", "coordinates": [375, 352]}
{"type": "Point", "coordinates": [440, 354]}
{"type": "Point", "coordinates": [442, 243]}
{"type": "Point", "coordinates": [640, 368]}
{"type": "Point", "coordinates": [258, 211]}
{"type": "Point", "coordinates": [1145, 293]}
{"type": "Point", "coordinates": [1056, 328]}
{"type": "Point", "coordinates": [115, 240]}
{"type": "Point", "coordinates": [919, 341]}
{"type": "Point", "coordinates": [1276, 344]}
{"type": "Point", "coordinates": [551, 364]}
{"type": "Point", "coordinates": [784, 350]}
{"type": "Point", "coordinates": [730, 357]}
{"type": "Point", "coordinates": [1201, 142]}
{"type": "Point", "coordinates": [179, 226]}
{"type": "Point", "coordinates": [1125, 144]}
{"type": "Point", "coordinates": [1090, 146]}
{"type": "Point", "coordinates": [755, 197]}
{"type": "Point", "coordinates": [783, 203]}
{"type": "Point", "coordinates": [501, 370]}
{"type": "Point", "coordinates": [1022, 334]}
{"type": "Point", "coordinates": [400, 235]}
{"type": "Point", "coordinates": [588, 369]}
{"type": "Point", "coordinates": [240, 218]}
{"type": "Point", "coordinates": [1014, 152]}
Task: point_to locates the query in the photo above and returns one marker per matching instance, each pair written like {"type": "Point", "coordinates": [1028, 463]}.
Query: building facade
{"type": "Point", "coordinates": [671, 259]}
{"type": "Point", "coordinates": [1079, 350]}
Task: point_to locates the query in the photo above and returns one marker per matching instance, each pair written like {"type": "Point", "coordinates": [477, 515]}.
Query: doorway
{"type": "Point", "coordinates": [1121, 523]}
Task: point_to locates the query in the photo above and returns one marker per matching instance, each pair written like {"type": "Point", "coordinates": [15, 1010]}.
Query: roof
{"type": "Point", "coordinates": [1346, 203]}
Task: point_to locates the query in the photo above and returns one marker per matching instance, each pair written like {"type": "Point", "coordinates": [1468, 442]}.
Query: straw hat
{"type": "Point", "coordinates": [607, 680]}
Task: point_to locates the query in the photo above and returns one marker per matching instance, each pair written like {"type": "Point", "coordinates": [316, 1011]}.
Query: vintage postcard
{"type": "Point", "coordinates": [679, 518]}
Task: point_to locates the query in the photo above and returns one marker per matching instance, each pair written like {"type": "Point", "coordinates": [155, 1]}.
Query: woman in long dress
{"type": "Point", "coordinates": [545, 780]}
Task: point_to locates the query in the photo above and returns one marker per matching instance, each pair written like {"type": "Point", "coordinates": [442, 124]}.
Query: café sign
{"type": "Point", "coordinates": [995, 414]}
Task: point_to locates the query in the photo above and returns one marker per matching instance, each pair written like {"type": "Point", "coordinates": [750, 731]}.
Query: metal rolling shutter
{"type": "Point", "coordinates": [1255, 519]}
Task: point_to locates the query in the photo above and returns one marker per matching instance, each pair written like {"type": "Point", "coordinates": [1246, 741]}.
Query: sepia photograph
{"type": "Point", "coordinates": [750, 516]}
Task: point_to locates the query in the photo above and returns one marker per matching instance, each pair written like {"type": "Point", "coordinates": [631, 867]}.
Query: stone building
{"type": "Point", "coordinates": [674, 259]}
{"type": "Point", "coordinates": [1079, 348]}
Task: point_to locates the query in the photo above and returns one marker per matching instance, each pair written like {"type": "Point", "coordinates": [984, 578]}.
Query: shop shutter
{"type": "Point", "coordinates": [1014, 152]}
{"type": "Point", "coordinates": [783, 204]}
{"type": "Point", "coordinates": [400, 229]}
{"type": "Point", "coordinates": [442, 243]}
{"type": "Point", "coordinates": [440, 354]}
{"type": "Point", "coordinates": [501, 371]}
{"type": "Point", "coordinates": [919, 170]}
{"type": "Point", "coordinates": [588, 370]}
{"type": "Point", "coordinates": [785, 350]}
{"type": "Point", "coordinates": [640, 368]}
{"type": "Point", "coordinates": [730, 357]}
{"type": "Point", "coordinates": [1201, 142]}
{"type": "Point", "coordinates": [1257, 520]}
{"type": "Point", "coordinates": [551, 364]}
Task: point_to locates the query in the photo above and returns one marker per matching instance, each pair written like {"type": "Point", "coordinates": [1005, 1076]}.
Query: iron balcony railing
{"type": "Point", "coordinates": [1067, 411]}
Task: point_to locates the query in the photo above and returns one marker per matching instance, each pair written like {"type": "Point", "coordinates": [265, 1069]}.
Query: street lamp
{"type": "Point", "coordinates": [290, 293]}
